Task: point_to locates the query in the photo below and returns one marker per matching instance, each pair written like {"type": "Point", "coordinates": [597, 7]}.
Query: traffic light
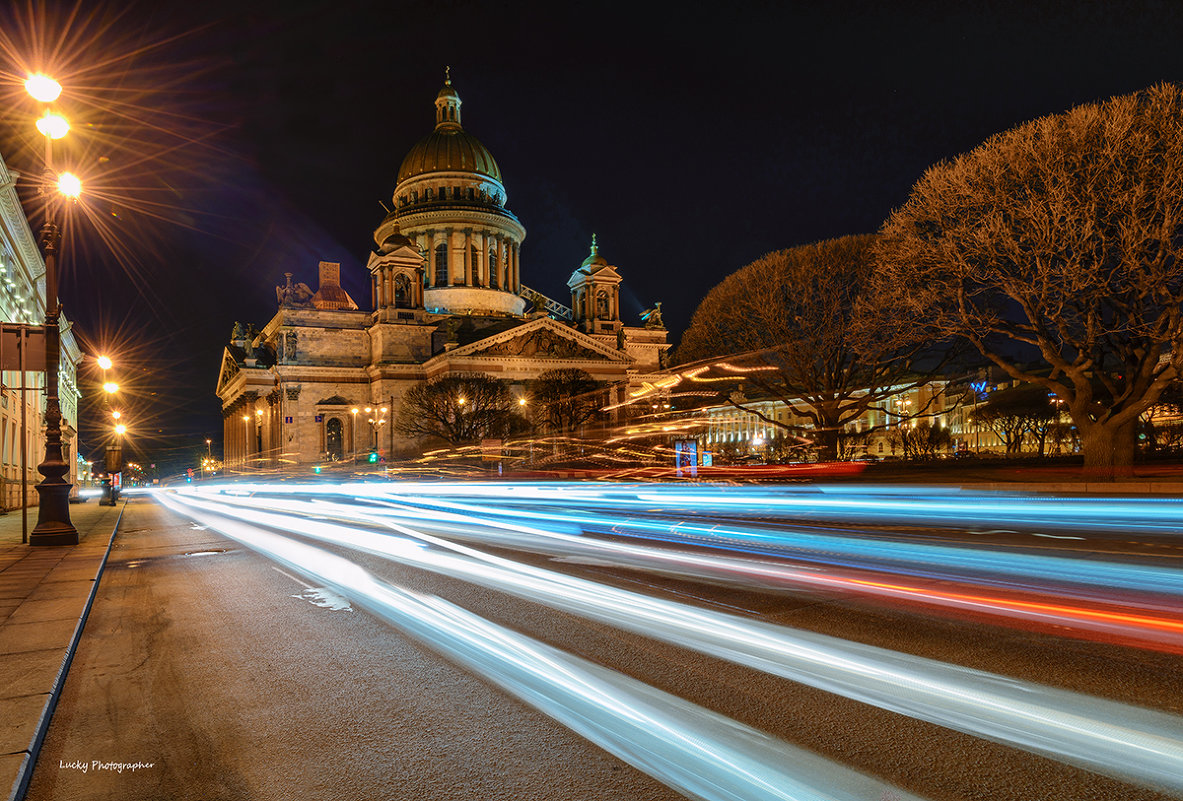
{"type": "Point", "coordinates": [373, 457]}
{"type": "Point", "coordinates": [190, 476]}
{"type": "Point", "coordinates": [316, 469]}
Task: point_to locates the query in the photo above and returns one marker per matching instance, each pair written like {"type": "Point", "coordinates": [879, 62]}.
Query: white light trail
{"type": "Point", "coordinates": [1116, 739]}
{"type": "Point", "coordinates": [695, 751]}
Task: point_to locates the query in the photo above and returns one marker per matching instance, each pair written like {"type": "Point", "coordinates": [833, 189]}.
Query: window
{"type": "Point", "coordinates": [402, 291]}
{"type": "Point", "coordinates": [602, 305]}
{"type": "Point", "coordinates": [441, 264]}
{"type": "Point", "coordinates": [474, 259]}
{"type": "Point", "coordinates": [494, 278]}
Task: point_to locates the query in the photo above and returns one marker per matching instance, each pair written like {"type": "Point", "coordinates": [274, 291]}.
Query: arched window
{"type": "Point", "coordinates": [494, 277]}
{"type": "Point", "coordinates": [441, 264]}
{"type": "Point", "coordinates": [602, 305]}
{"type": "Point", "coordinates": [474, 260]}
{"type": "Point", "coordinates": [402, 291]}
{"type": "Point", "coordinates": [334, 439]}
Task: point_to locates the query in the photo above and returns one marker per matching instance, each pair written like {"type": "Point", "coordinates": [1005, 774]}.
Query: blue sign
{"type": "Point", "coordinates": [287, 420]}
{"type": "Point", "coordinates": [320, 418]}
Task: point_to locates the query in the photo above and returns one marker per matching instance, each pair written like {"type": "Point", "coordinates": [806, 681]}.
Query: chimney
{"type": "Point", "coordinates": [330, 273]}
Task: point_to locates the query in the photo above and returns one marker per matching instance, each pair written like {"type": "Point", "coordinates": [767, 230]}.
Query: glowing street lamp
{"type": "Point", "coordinates": [69, 185]}
{"type": "Point", "coordinates": [120, 429]}
{"type": "Point", "coordinates": [53, 125]}
{"type": "Point", "coordinates": [110, 387]}
{"type": "Point", "coordinates": [116, 415]}
{"type": "Point", "coordinates": [43, 88]}
{"type": "Point", "coordinates": [53, 513]}
{"type": "Point", "coordinates": [104, 363]}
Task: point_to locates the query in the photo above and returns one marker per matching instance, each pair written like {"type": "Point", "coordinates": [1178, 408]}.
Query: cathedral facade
{"type": "Point", "coordinates": [323, 379]}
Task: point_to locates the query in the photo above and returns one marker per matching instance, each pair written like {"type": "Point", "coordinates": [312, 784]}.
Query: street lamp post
{"type": "Point", "coordinates": [375, 425]}
{"type": "Point", "coordinates": [53, 513]}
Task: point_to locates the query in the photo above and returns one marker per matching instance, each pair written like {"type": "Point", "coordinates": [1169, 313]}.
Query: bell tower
{"type": "Point", "coordinates": [595, 294]}
{"type": "Point", "coordinates": [396, 273]}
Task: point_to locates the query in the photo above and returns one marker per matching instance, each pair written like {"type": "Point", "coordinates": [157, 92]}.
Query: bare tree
{"type": "Point", "coordinates": [799, 326]}
{"type": "Point", "coordinates": [457, 409]}
{"type": "Point", "coordinates": [1016, 412]}
{"type": "Point", "coordinates": [922, 440]}
{"type": "Point", "coordinates": [1059, 240]}
{"type": "Point", "coordinates": [563, 400]}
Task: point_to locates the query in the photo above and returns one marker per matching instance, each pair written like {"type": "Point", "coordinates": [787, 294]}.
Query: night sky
{"type": "Point", "coordinates": [231, 142]}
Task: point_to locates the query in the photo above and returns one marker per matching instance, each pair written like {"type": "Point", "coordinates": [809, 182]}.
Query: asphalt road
{"type": "Point", "coordinates": [233, 678]}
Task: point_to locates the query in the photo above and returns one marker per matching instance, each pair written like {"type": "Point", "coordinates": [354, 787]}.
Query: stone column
{"type": "Point", "coordinates": [501, 276]}
{"type": "Point", "coordinates": [469, 267]}
{"type": "Point", "coordinates": [513, 267]}
{"type": "Point", "coordinates": [453, 273]}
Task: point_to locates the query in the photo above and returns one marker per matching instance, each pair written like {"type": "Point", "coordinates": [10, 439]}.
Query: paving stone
{"type": "Point", "coordinates": [31, 672]}
{"type": "Point", "coordinates": [18, 721]}
{"type": "Point", "coordinates": [50, 609]}
{"type": "Point", "coordinates": [61, 589]}
{"type": "Point", "coordinates": [20, 638]}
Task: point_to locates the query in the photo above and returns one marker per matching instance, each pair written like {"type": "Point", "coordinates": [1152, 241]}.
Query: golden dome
{"type": "Point", "coordinates": [594, 259]}
{"type": "Point", "coordinates": [448, 150]}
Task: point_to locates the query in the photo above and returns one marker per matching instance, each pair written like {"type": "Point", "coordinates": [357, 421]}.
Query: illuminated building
{"type": "Point", "coordinates": [447, 298]}
{"type": "Point", "coordinates": [22, 301]}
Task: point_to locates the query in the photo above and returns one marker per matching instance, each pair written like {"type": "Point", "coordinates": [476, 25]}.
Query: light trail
{"type": "Point", "coordinates": [1116, 739]}
{"type": "Point", "coordinates": [1140, 625]}
{"type": "Point", "coordinates": [695, 751]}
{"type": "Point", "coordinates": [922, 559]}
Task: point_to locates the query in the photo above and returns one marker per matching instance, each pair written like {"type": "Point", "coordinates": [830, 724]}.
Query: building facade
{"type": "Point", "coordinates": [447, 298]}
{"type": "Point", "coordinates": [22, 397]}
{"type": "Point", "coordinates": [948, 404]}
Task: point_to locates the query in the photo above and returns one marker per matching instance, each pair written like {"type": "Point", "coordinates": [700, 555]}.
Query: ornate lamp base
{"type": "Point", "coordinates": [53, 521]}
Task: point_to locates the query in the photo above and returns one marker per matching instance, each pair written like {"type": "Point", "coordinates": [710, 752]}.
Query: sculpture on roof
{"type": "Point", "coordinates": [652, 317]}
{"type": "Point", "coordinates": [297, 296]}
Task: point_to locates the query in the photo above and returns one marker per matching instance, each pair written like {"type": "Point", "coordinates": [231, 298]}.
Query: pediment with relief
{"type": "Point", "coordinates": [543, 339]}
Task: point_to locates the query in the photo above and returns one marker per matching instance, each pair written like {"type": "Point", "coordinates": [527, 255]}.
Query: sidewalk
{"type": "Point", "coordinates": [45, 593]}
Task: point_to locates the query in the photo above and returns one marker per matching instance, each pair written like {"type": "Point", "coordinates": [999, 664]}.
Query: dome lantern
{"type": "Point", "coordinates": [447, 105]}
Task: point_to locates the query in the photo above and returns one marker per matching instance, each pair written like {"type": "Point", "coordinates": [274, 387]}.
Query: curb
{"type": "Point", "coordinates": [25, 774]}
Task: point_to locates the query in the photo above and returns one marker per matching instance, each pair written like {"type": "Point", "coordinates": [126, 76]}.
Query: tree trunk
{"type": "Point", "coordinates": [1108, 451]}
{"type": "Point", "coordinates": [827, 439]}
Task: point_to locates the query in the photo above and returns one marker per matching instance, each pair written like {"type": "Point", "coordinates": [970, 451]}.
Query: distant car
{"type": "Point", "coordinates": [965, 455]}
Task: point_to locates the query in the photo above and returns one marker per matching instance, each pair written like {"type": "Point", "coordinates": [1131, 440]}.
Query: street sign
{"type": "Point", "coordinates": [10, 347]}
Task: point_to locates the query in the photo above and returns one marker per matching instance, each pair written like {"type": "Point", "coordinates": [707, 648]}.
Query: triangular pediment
{"type": "Point", "coordinates": [229, 369]}
{"type": "Point", "coordinates": [542, 339]}
{"type": "Point", "coordinates": [599, 274]}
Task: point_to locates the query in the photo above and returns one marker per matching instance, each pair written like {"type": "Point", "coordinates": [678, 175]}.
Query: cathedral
{"type": "Point", "coordinates": [323, 379]}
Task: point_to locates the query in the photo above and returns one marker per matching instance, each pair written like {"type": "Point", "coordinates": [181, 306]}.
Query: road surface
{"type": "Point", "coordinates": [576, 642]}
